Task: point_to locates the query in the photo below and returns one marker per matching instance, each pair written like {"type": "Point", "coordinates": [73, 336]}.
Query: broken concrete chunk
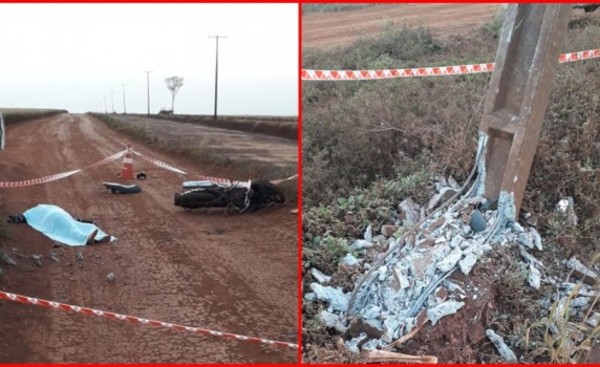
{"type": "Point", "coordinates": [534, 277]}
{"type": "Point", "coordinates": [434, 201]}
{"type": "Point", "coordinates": [581, 271]}
{"type": "Point", "coordinates": [354, 344]}
{"type": "Point", "coordinates": [450, 261]}
{"type": "Point", "coordinates": [507, 354]}
{"type": "Point", "coordinates": [467, 263]}
{"type": "Point", "coordinates": [401, 278]}
{"type": "Point", "coordinates": [310, 296]}
{"type": "Point", "coordinates": [332, 320]}
{"type": "Point", "coordinates": [593, 320]}
{"type": "Point", "coordinates": [360, 244]}
{"type": "Point", "coordinates": [580, 302]}
{"type": "Point", "coordinates": [335, 297]}
{"type": "Point", "coordinates": [537, 239]}
{"type": "Point", "coordinates": [453, 184]}
{"type": "Point", "coordinates": [524, 239]}
{"type": "Point", "coordinates": [443, 309]}
{"type": "Point", "coordinates": [410, 212]}
{"type": "Point", "coordinates": [319, 276]}
{"type": "Point", "coordinates": [371, 312]}
{"type": "Point", "coordinates": [368, 236]}
{"type": "Point", "coordinates": [349, 260]}
{"type": "Point", "coordinates": [8, 260]}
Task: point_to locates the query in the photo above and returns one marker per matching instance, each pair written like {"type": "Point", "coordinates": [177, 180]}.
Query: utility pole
{"type": "Point", "coordinates": [216, 71]}
{"type": "Point", "coordinates": [105, 111]}
{"type": "Point", "coordinates": [112, 102]}
{"type": "Point", "coordinates": [124, 106]}
{"type": "Point", "coordinates": [148, 87]}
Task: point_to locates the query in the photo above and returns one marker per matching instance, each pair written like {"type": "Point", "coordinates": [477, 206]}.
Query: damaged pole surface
{"type": "Point", "coordinates": [519, 92]}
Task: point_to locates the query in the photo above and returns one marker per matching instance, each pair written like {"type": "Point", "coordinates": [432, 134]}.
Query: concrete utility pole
{"type": "Point", "coordinates": [124, 106]}
{"type": "Point", "coordinates": [112, 101]}
{"type": "Point", "coordinates": [519, 93]}
{"type": "Point", "coordinates": [148, 87]}
{"type": "Point", "coordinates": [216, 71]}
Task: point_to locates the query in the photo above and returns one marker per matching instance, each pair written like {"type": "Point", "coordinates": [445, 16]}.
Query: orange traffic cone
{"type": "Point", "coordinates": [127, 170]}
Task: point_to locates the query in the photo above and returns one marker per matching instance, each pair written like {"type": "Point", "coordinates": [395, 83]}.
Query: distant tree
{"type": "Point", "coordinates": [173, 85]}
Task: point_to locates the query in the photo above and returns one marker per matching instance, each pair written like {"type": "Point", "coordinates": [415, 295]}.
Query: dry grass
{"type": "Point", "coordinates": [13, 115]}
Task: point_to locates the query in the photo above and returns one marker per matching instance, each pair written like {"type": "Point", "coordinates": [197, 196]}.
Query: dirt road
{"type": "Point", "coordinates": [233, 273]}
{"type": "Point", "coordinates": [323, 30]}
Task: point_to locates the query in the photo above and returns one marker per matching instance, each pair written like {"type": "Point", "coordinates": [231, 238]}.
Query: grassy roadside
{"type": "Point", "coordinates": [13, 115]}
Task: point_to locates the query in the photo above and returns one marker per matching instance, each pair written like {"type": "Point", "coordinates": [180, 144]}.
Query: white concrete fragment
{"type": "Point", "coordinates": [534, 277]}
{"type": "Point", "coordinates": [352, 344]}
{"type": "Point", "coordinates": [575, 264]}
{"type": "Point", "coordinates": [310, 296]}
{"type": "Point", "coordinates": [349, 260]}
{"type": "Point", "coordinates": [401, 277]}
{"type": "Point", "coordinates": [507, 354]}
{"type": "Point", "coordinates": [537, 239]}
{"type": "Point", "coordinates": [593, 320]}
{"type": "Point", "coordinates": [329, 319]}
{"type": "Point", "coordinates": [368, 236]}
{"type": "Point", "coordinates": [360, 244]}
{"type": "Point", "coordinates": [371, 344]}
{"type": "Point", "coordinates": [467, 263]}
{"type": "Point", "coordinates": [580, 302]}
{"type": "Point", "coordinates": [443, 309]}
{"type": "Point", "coordinates": [335, 297]}
{"type": "Point", "coordinates": [320, 276]}
{"type": "Point", "coordinates": [450, 261]}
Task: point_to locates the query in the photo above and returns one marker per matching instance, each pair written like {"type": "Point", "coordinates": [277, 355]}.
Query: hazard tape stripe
{"type": "Point", "coordinates": [224, 181]}
{"type": "Point", "coordinates": [340, 75]}
{"type": "Point", "coordinates": [277, 182]}
{"type": "Point", "coordinates": [136, 320]}
{"type": "Point", "coordinates": [158, 163]}
{"type": "Point", "coordinates": [57, 176]}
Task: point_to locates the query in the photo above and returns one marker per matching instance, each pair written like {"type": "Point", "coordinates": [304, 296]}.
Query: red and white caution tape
{"type": "Point", "coordinates": [158, 163]}
{"type": "Point", "coordinates": [106, 160]}
{"type": "Point", "coordinates": [277, 182]}
{"type": "Point", "coordinates": [136, 320]}
{"type": "Point", "coordinates": [58, 176]}
{"type": "Point", "coordinates": [339, 75]}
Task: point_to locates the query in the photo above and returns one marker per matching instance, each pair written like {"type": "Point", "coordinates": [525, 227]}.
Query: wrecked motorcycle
{"type": "Point", "coordinates": [236, 197]}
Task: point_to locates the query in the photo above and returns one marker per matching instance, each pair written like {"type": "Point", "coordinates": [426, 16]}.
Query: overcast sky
{"type": "Point", "coordinates": [73, 55]}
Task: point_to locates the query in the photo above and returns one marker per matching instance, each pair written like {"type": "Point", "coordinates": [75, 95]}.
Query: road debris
{"type": "Point", "coordinates": [8, 260]}
{"type": "Point", "coordinates": [110, 277]}
{"type": "Point", "coordinates": [507, 354]}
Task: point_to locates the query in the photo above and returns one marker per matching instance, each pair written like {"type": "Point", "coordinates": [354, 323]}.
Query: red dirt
{"type": "Point", "coordinates": [232, 273]}
{"type": "Point", "coordinates": [323, 30]}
